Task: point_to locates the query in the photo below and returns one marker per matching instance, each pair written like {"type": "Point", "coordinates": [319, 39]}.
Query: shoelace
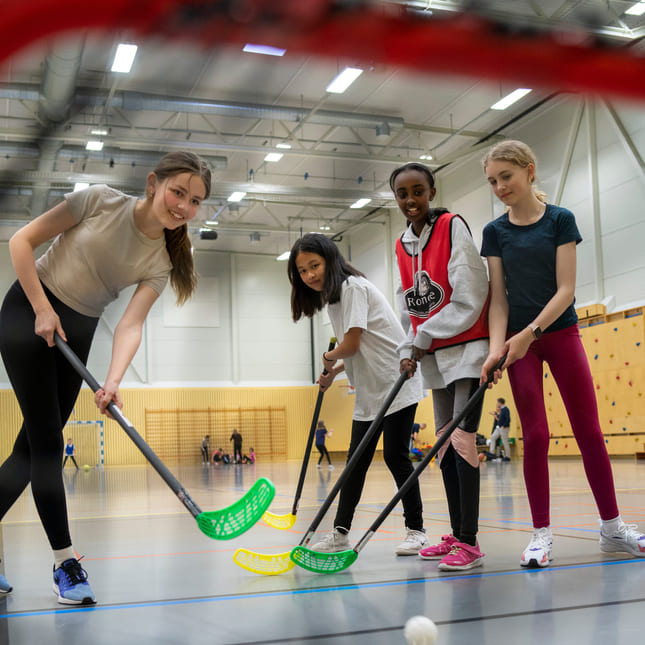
{"type": "Point", "coordinates": [540, 540]}
{"type": "Point", "coordinates": [74, 571]}
{"type": "Point", "coordinates": [631, 530]}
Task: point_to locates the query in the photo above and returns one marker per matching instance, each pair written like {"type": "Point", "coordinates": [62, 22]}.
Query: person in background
{"type": "Point", "coordinates": [236, 438]}
{"type": "Point", "coordinates": [69, 452]}
{"type": "Point", "coordinates": [531, 255]}
{"type": "Point", "coordinates": [416, 428]}
{"type": "Point", "coordinates": [250, 458]}
{"type": "Point", "coordinates": [103, 242]}
{"type": "Point", "coordinates": [205, 448]}
{"type": "Point", "coordinates": [501, 430]}
{"type": "Point", "coordinates": [321, 434]}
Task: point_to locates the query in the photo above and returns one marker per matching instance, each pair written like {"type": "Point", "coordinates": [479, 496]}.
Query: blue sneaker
{"type": "Point", "coordinates": [5, 587]}
{"type": "Point", "coordinates": [70, 584]}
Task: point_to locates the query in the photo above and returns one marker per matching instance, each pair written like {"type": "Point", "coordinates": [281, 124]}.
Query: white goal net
{"type": "Point", "coordinates": [87, 437]}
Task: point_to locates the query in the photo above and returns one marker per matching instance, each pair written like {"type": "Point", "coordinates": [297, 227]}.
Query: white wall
{"type": "Point", "coordinates": [250, 337]}
{"type": "Point", "coordinates": [620, 229]}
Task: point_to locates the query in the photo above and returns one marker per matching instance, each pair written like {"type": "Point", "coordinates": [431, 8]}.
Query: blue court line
{"type": "Point", "coordinates": [300, 592]}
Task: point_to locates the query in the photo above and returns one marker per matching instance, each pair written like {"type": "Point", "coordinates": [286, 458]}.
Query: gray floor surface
{"type": "Point", "coordinates": [158, 579]}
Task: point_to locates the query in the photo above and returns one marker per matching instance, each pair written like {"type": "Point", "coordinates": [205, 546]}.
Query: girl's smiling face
{"type": "Point", "coordinates": [413, 195]}
{"type": "Point", "coordinates": [510, 183]}
{"type": "Point", "coordinates": [311, 268]}
{"type": "Point", "coordinates": [177, 199]}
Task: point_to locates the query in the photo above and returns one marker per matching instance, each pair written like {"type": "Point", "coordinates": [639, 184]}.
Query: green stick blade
{"type": "Point", "coordinates": [240, 516]}
{"type": "Point", "coordinates": [323, 562]}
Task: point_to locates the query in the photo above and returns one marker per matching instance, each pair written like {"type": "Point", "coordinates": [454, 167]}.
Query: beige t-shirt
{"type": "Point", "coordinates": [89, 264]}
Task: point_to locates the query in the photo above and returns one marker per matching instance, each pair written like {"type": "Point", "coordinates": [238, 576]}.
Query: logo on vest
{"type": "Point", "coordinates": [424, 297]}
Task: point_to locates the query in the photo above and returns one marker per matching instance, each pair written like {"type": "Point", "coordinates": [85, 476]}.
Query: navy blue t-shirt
{"type": "Point", "coordinates": [320, 436]}
{"type": "Point", "coordinates": [528, 256]}
{"type": "Point", "coordinates": [504, 417]}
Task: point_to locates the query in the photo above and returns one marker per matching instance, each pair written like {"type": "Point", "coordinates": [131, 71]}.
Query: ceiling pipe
{"type": "Point", "coordinates": [148, 158]}
{"type": "Point", "coordinates": [136, 101]}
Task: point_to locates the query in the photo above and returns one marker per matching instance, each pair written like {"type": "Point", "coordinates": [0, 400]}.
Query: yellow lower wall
{"type": "Point", "coordinates": [615, 346]}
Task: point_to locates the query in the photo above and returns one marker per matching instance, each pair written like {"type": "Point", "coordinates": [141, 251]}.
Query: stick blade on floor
{"type": "Point", "coordinates": [223, 524]}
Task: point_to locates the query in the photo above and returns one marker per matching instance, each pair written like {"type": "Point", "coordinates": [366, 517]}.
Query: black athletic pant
{"type": "Point", "coordinates": [322, 449]}
{"type": "Point", "coordinates": [460, 479]}
{"type": "Point", "coordinates": [46, 387]}
{"type": "Point", "coordinates": [396, 429]}
{"type": "Point", "coordinates": [69, 457]}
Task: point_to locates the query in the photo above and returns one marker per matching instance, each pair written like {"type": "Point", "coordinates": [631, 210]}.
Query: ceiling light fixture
{"type": "Point", "coordinates": [273, 156]}
{"type": "Point", "coordinates": [509, 99]}
{"type": "Point", "coordinates": [80, 185]}
{"type": "Point", "coordinates": [124, 58]}
{"type": "Point", "coordinates": [283, 146]}
{"type": "Point", "coordinates": [99, 132]}
{"type": "Point", "coordinates": [426, 157]}
{"type": "Point", "coordinates": [637, 9]}
{"type": "Point", "coordinates": [267, 50]}
{"type": "Point", "coordinates": [236, 196]}
{"type": "Point", "coordinates": [344, 80]}
{"type": "Point", "coordinates": [360, 203]}
{"type": "Point", "coordinates": [283, 256]}
{"type": "Point", "coordinates": [96, 146]}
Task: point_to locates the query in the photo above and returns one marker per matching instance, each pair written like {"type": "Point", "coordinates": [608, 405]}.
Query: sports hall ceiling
{"type": "Point", "coordinates": [234, 107]}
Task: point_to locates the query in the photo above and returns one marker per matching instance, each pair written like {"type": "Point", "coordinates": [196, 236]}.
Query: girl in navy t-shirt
{"type": "Point", "coordinates": [531, 254]}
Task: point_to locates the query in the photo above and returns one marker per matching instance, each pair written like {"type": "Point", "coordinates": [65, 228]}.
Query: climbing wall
{"type": "Point", "coordinates": [615, 347]}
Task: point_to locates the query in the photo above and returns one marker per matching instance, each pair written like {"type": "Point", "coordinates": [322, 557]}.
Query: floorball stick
{"type": "Point", "coordinates": [334, 562]}
{"type": "Point", "coordinates": [285, 522]}
{"type": "Point", "coordinates": [273, 564]}
{"type": "Point", "coordinates": [224, 524]}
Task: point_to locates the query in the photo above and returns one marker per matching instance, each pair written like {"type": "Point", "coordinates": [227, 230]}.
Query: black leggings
{"type": "Point", "coordinates": [69, 457]}
{"type": "Point", "coordinates": [396, 429]}
{"type": "Point", "coordinates": [46, 387]}
{"type": "Point", "coordinates": [322, 449]}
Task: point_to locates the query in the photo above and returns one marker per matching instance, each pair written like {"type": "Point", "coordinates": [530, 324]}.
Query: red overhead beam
{"type": "Point", "coordinates": [365, 33]}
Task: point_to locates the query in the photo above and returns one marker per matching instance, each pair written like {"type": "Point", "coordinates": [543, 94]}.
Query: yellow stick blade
{"type": "Point", "coordinates": [266, 564]}
{"type": "Point", "coordinates": [282, 522]}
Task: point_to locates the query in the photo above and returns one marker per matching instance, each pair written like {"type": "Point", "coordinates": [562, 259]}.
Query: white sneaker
{"type": "Point", "coordinates": [332, 542]}
{"type": "Point", "coordinates": [626, 539]}
{"type": "Point", "coordinates": [539, 551]}
{"type": "Point", "coordinates": [331, 467]}
{"type": "Point", "coordinates": [413, 543]}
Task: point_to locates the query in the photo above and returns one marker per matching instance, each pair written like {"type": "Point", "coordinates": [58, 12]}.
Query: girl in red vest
{"type": "Point", "coordinates": [443, 291]}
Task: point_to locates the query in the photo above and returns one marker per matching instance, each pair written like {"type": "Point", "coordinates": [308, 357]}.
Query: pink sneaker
{"type": "Point", "coordinates": [437, 551]}
{"type": "Point", "coordinates": [461, 557]}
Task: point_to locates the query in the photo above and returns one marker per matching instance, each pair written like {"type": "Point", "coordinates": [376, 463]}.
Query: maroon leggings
{"type": "Point", "coordinates": [564, 353]}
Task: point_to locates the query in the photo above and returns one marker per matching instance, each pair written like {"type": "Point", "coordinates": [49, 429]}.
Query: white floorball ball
{"type": "Point", "coordinates": [420, 630]}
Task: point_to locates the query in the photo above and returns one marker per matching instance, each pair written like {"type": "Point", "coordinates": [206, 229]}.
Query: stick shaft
{"type": "Point", "coordinates": [360, 449]}
{"type": "Point", "coordinates": [414, 476]}
{"type": "Point", "coordinates": [129, 429]}
{"type": "Point", "coordinates": [310, 440]}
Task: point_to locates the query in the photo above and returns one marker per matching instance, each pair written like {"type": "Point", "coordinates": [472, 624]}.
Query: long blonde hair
{"type": "Point", "coordinates": [516, 152]}
{"type": "Point", "coordinates": [183, 277]}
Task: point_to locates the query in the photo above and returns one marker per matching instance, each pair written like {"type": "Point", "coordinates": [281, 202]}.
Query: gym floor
{"type": "Point", "coordinates": [158, 579]}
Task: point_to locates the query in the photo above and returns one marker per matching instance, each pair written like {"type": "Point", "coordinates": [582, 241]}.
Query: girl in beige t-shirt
{"type": "Point", "coordinates": [103, 241]}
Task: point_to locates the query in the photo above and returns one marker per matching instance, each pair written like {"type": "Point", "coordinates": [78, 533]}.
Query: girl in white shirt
{"type": "Point", "coordinates": [368, 333]}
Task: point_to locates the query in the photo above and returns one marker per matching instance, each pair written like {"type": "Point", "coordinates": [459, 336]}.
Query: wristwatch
{"type": "Point", "coordinates": [537, 332]}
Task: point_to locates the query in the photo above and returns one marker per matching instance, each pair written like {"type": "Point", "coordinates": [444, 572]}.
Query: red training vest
{"type": "Point", "coordinates": [434, 291]}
